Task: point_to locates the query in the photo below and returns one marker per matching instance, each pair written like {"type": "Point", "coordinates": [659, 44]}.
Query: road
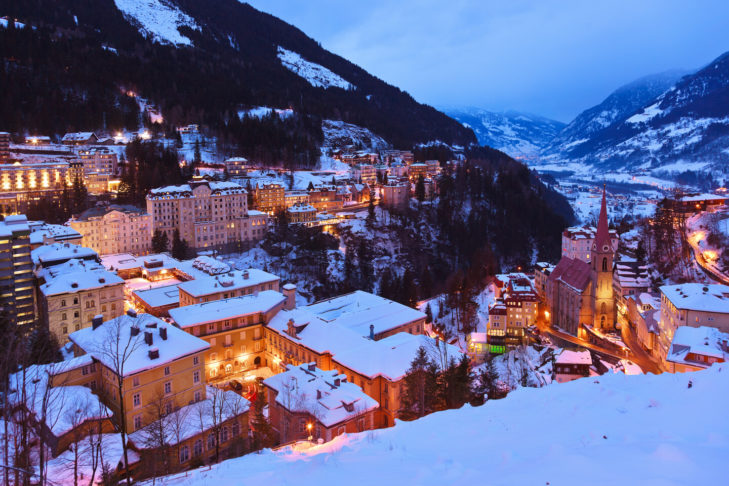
{"type": "Point", "coordinates": [635, 353]}
{"type": "Point", "coordinates": [694, 238]}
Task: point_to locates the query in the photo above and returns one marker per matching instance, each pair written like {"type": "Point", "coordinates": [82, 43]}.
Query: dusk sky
{"type": "Point", "coordinates": [551, 58]}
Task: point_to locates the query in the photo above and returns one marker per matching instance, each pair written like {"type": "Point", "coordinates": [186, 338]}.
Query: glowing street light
{"type": "Point", "coordinates": [308, 428]}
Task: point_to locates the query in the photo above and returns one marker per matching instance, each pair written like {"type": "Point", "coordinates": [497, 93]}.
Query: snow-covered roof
{"type": "Point", "coordinates": [300, 208]}
{"type": "Point", "coordinates": [12, 224]}
{"type": "Point", "coordinates": [690, 342]}
{"type": "Point", "coordinates": [358, 310]}
{"type": "Point", "coordinates": [326, 395]}
{"type": "Point", "coordinates": [703, 197]}
{"type": "Point", "coordinates": [192, 315]}
{"type": "Point", "coordinates": [41, 230]}
{"type": "Point", "coordinates": [574, 357]}
{"type": "Point", "coordinates": [185, 190]}
{"type": "Point", "coordinates": [78, 136]}
{"type": "Point", "coordinates": [159, 296]}
{"type": "Point", "coordinates": [75, 276]}
{"type": "Point", "coordinates": [66, 406]}
{"type": "Point", "coordinates": [235, 280]}
{"type": "Point", "coordinates": [698, 297]}
{"type": "Point", "coordinates": [100, 342]}
{"type": "Point", "coordinates": [195, 418]}
{"type": "Point", "coordinates": [61, 252]}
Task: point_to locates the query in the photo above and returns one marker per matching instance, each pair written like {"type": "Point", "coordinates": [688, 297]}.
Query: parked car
{"type": "Point", "coordinates": [235, 385]}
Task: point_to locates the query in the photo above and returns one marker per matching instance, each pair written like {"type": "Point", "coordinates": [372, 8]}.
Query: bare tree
{"type": "Point", "coordinates": [115, 350]}
{"type": "Point", "coordinates": [155, 435]}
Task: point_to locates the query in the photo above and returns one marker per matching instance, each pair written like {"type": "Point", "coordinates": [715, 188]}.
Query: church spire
{"type": "Point", "coordinates": [602, 237]}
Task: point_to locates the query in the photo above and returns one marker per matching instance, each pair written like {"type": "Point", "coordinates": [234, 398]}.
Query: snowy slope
{"type": "Point", "coordinates": [318, 76]}
{"type": "Point", "coordinates": [520, 135]}
{"type": "Point", "coordinates": [613, 429]}
{"type": "Point", "coordinates": [618, 106]}
{"type": "Point", "coordinates": [339, 134]}
{"type": "Point", "coordinates": [159, 19]}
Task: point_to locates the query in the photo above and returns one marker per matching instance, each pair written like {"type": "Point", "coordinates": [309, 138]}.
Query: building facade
{"type": "Point", "coordinates": [17, 295]}
{"type": "Point", "coordinates": [115, 229]}
{"type": "Point", "coordinates": [269, 198]}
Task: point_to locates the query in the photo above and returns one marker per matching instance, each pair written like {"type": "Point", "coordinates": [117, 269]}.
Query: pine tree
{"type": "Point", "coordinates": [420, 189]}
{"type": "Point", "coordinates": [366, 268]}
{"type": "Point", "coordinates": [180, 249]}
{"type": "Point", "coordinates": [419, 394]}
{"type": "Point", "coordinates": [371, 216]}
{"type": "Point", "coordinates": [428, 314]}
{"type": "Point", "coordinates": [196, 158]}
{"type": "Point", "coordinates": [160, 241]}
{"type": "Point", "coordinates": [263, 435]}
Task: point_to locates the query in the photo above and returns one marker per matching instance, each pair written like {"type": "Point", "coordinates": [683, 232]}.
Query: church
{"type": "Point", "coordinates": [580, 293]}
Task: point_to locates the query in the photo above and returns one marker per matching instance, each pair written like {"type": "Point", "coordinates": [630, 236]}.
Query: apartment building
{"type": "Point", "coordinates": [365, 173]}
{"type": "Point", "coordinates": [208, 215]}
{"type": "Point", "coordinates": [697, 348]}
{"type": "Point", "coordinates": [417, 170]}
{"type": "Point", "coordinates": [112, 229]}
{"type": "Point", "coordinates": [57, 253]}
{"type": "Point", "coordinates": [269, 198]}
{"type": "Point", "coordinates": [693, 305]}
{"type": "Point", "coordinates": [227, 285]}
{"type": "Point", "coordinates": [395, 194]}
{"type": "Point", "coordinates": [4, 146]}
{"type": "Point", "coordinates": [577, 242]}
{"type": "Point", "coordinates": [325, 199]}
{"type": "Point", "coordinates": [236, 166]}
{"type": "Point", "coordinates": [98, 160]}
{"type": "Point", "coordinates": [514, 310]}
{"type": "Point", "coordinates": [234, 329]}
{"type": "Point", "coordinates": [301, 213]}
{"type": "Point", "coordinates": [42, 233]}
{"type": "Point", "coordinates": [296, 197]}
{"type": "Point", "coordinates": [17, 294]}
{"type": "Point", "coordinates": [158, 363]}
{"type": "Point", "coordinates": [23, 183]}
{"type": "Point", "coordinates": [71, 294]}
{"type": "Point", "coordinates": [305, 401]}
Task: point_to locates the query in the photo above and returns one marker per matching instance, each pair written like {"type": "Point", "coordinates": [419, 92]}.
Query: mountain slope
{"type": "Point", "coordinates": [200, 62]}
{"type": "Point", "coordinates": [619, 105]}
{"type": "Point", "coordinates": [520, 135]}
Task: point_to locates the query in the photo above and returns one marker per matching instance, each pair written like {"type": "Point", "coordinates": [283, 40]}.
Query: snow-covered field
{"type": "Point", "coordinates": [318, 76]}
{"type": "Point", "coordinates": [615, 429]}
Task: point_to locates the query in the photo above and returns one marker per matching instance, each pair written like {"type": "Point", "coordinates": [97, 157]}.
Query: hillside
{"type": "Point", "coordinates": [198, 62]}
{"type": "Point", "coordinates": [520, 135]}
{"type": "Point", "coordinates": [613, 429]}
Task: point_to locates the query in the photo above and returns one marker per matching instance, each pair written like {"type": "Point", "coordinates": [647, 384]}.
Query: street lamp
{"type": "Point", "coordinates": [308, 428]}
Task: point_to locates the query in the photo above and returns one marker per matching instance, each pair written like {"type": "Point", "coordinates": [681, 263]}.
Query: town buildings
{"type": "Point", "coordinates": [79, 138]}
{"type": "Point", "coordinates": [301, 213]}
{"type": "Point", "coordinates": [42, 233]}
{"type": "Point", "coordinates": [236, 166]}
{"type": "Point", "coordinates": [72, 293]}
{"type": "Point", "coordinates": [579, 293]}
{"type": "Point", "coordinates": [4, 146]}
{"type": "Point", "coordinates": [115, 229]}
{"type": "Point", "coordinates": [223, 286]}
{"type": "Point", "coordinates": [571, 365]}
{"type": "Point", "coordinates": [324, 198]}
{"type": "Point", "coordinates": [693, 305]}
{"type": "Point", "coordinates": [697, 348]}
{"type": "Point", "coordinates": [395, 194]}
{"type": "Point", "coordinates": [17, 295]}
{"type": "Point", "coordinates": [208, 215]}
{"type": "Point", "coordinates": [514, 310]}
{"type": "Point", "coordinates": [305, 401]}
{"type": "Point", "coordinates": [24, 183]}
{"type": "Point", "coordinates": [364, 173]}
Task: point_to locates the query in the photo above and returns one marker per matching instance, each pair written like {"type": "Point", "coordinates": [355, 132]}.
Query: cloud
{"type": "Point", "coordinates": [554, 58]}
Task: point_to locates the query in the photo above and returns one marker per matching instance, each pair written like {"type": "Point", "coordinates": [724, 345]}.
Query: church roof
{"type": "Point", "coordinates": [602, 237]}
{"type": "Point", "coordinates": [573, 272]}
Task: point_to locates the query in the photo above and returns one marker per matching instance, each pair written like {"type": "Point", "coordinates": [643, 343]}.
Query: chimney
{"type": "Point", "coordinates": [312, 366]}
{"type": "Point", "coordinates": [134, 330]}
{"type": "Point", "coordinates": [246, 275]}
{"type": "Point", "coordinates": [289, 292]}
{"type": "Point", "coordinates": [153, 353]}
{"type": "Point", "coordinates": [97, 321]}
{"type": "Point", "coordinates": [148, 337]}
{"type": "Point", "coordinates": [318, 394]}
{"type": "Point", "coordinates": [337, 382]}
{"type": "Point", "coordinates": [132, 313]}
{"type": "Point", "coordinates": [291, 328]}
{"type": "Point", "coordinates": [163, 333]}
{"type": "Point", "coordinates": [372, 332]}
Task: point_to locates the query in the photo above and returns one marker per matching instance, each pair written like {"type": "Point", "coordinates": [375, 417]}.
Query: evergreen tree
{"type": "Point", "coordinates": [160, 241]}
{"type": "Point", "coordinates": [180, 248]}
{"type": "Point", "coordinates": [371, 216]}
{"type": "Point", "coordinates": [263, 435]}
{"type": "Point", "coordinates": [419, 394]}
{"type": "Point", "coordinates": [196, 158]}
{"type": "Point", "coordinates": [428, 314]}
{"type": "Point", "coordinates": [310, 187]}
{"type": "Point", "coordinates": [366, 268]}
{"type": "Point", "coordinates": [420, 189]}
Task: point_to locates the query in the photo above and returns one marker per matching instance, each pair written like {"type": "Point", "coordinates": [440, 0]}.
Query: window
{"type": "Point", "coordinates": [137, 400]}
{"type": "Point", "coordinates": [184, 454]}
{"type": "Point", "coordinates": [168, 388]}
{"type": "Point", "coordinates": [75, 301]}
{"type": "Point", "coordinates": [604, 264]}
{"type": "Point", "coordinates": [236, 429]}
{"type": "Point", "coordinates": [167, 370]}
{"type": "Point", "coordinates": [63, 303]}
{"type": "Point", "coordinates": [196, 377]}
{"type": "Point", "coordinates": [195, 360]}
{"type": "Point", "coordinates": [63, 316]}
{"type": "Point", "coordinates": [135, 381]}
{"type": "Point", "coordinates": [211, 327]}
{"type": "Point", "coordinates": [198, 396]}
{"type": "Point", "coordinates": [197, 448]}
{"type": "Point", "coordinates": [211, 441]}
{"type": "Point", "coordinates": [137, 422]}
{"type": "Point", "coordinates": [65, 330]}
{"type": "Point", "coordinates": [242, 334]}
{"type": "Point", "coordinates": [302, 425]}
{"type": "Point", "coordinates": [168, 408]}
{"type": "Point", "coordinates": [224, 434]}
{"type": "Point", "coordinates": [75, 314]}
{"type": "Point", "coordinates": [213, 356]}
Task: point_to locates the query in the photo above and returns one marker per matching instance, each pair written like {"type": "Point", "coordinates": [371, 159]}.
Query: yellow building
{"type": "Point", "coordinates": [160, 366]}
{"type": "Point", "coordinates": [74, 292]}
{"type": "Point", "coordinates": [115, 229]}
{"type": "Point", "coordinates": [301, 213]}
{"type": "Point", "coordinates": [24, 183]}
{"type": "Point", "coordinates": [208, 215]}
{"type": "Point", "coordinates": [269, 198]}
{"type": "Point", "coordinates": [234, 329]}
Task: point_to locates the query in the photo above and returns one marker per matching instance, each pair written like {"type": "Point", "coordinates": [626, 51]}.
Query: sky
{"type": "Point", "coordinates": [551, 58]}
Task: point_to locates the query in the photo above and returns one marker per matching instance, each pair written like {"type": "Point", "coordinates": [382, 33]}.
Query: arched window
{"type": "Point", "coordinates": [603, 308]}
{"type": "Point", "coordinates": [604, 265]}
{"type": "Point", "coordinates": [197, 449]}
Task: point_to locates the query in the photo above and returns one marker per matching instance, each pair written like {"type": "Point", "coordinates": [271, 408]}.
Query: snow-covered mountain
{"type": "Point", "coordinates": [618, 106]}
{"type": "Point", "coordinates": [521, 135]}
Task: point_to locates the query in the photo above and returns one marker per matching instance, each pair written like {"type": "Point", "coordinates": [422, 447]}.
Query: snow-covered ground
{"type": "Point", "coordinates": [318, 76]}
{"type": "Point", "coordinates": [261, 111]}
{"type": "Point", "coordinates": [668, 429]}
{"type": "Point", "coordinates": [340, 134]}
{"type": "Point", "coordinates": [158, 18]}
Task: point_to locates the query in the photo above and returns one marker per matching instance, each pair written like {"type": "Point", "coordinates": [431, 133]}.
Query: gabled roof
{"type": "Point", "coordinates": [573, 272]}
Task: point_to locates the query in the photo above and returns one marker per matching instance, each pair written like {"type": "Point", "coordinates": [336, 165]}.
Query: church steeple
{"type": "Point", "coordinates": [602, 237]}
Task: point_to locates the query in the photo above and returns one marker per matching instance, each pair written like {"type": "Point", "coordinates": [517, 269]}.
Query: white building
{"type": "Point", "coordinates": [577, 242]}
{"type": "Point", "coordinates": [115, 229]}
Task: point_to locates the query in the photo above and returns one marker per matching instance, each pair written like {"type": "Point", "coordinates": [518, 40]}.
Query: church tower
{"type": "Point", "coordinates": [602, 256]}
